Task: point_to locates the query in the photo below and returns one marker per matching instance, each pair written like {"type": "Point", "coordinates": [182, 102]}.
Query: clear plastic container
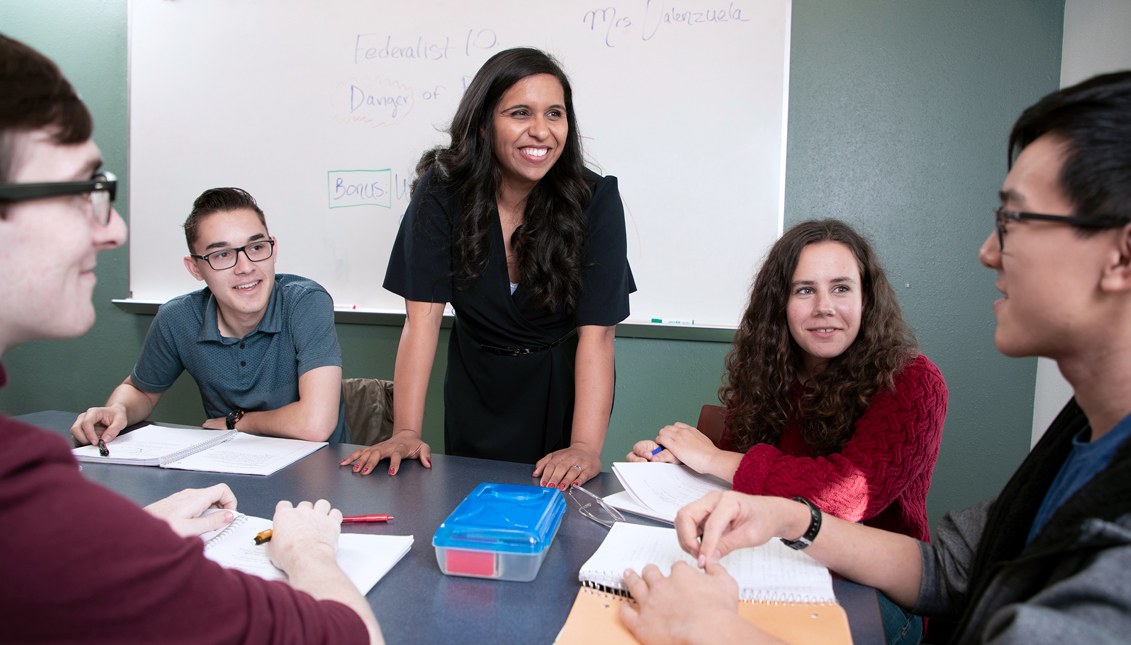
{"type": "Point", "coordinates": [499, 531]}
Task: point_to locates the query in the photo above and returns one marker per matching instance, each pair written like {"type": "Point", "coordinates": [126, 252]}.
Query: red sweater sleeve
{"type": "Point", "coordinates": [886, 466]}
{"type": "Point", "coordinates": [82, 563]}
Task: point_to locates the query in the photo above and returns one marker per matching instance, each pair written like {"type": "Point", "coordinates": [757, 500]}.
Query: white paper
{"type": "Point", "coordinates": [365, 559]}
{"type": "Point", "coordinates": [663, 488]}
{"type": "Point", "coordinates": [249, 454]}
{"type": "Point", "coordinates": [152, 444]}
{"type": "Point", "coordinates": [624, 501]}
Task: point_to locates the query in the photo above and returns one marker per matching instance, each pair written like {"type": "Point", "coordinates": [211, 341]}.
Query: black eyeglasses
{"type": "Point", "coordinates": [99, 192]}
{"type": "Point", "coordinates": [222, 259]}
{"type": "Point", "coordinates": [1001, 216]}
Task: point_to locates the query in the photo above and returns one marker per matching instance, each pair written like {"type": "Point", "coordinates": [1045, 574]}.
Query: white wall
{"type": "Point", "coordinates": [1095, 41]}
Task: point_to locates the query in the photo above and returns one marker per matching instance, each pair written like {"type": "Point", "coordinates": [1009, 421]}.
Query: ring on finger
{"type": "Point", "coordinates": [579, 468]}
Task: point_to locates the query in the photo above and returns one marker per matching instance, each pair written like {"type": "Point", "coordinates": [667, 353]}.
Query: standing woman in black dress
{"type": "Point", "coordinates": [528, 245]}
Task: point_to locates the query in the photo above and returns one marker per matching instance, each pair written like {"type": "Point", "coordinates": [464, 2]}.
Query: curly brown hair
{"type": "Point", "coordinates": [762, 367]}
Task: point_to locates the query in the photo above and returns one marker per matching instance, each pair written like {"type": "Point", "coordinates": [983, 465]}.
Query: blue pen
{"type": "Point", "coordinates": [657, 451]}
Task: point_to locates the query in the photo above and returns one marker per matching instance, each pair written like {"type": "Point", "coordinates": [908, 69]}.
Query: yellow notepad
{"type": "Point", "coordinates": [782, 591]}
{"type": "Point", "coordinates": [595, 618]}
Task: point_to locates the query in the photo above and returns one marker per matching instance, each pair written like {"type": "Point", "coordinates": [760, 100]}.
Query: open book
{"type": "Point", "coordinates": [365, 559]}
{"type": "Point", "coordinates": [658, 490]}
{"type": "Point", "coordinates": [784, 592]}
{"type": "Point", "coordinates": [217, 451]}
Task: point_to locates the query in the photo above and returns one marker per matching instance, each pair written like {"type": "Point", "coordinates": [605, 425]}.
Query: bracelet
{"type": "Point", "coordinates": [814, 526]}
{"type": "Point", "coordinates": [233, 418]}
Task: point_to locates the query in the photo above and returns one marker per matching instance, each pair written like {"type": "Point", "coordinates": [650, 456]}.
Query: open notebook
{"type": "Point", "coordinates": [784, 592]}
{"type": "Point", "coordinates": [364, 558]}
{"type": "Point", "coordinates": [658, 490]}
{"type": "Point", "coordinates": [217, 451]}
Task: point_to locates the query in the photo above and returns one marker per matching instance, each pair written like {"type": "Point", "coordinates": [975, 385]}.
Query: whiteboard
{"type": "Point", "coordinates": [321, 110]}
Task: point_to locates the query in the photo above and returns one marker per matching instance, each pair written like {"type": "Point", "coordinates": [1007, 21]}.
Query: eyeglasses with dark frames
{"type": "Point", "coordinates": [99, 192]}
{"type": "Point", "coordinates": [222, 259]}
{"type": "Point", "coordinates": [1001, 215]}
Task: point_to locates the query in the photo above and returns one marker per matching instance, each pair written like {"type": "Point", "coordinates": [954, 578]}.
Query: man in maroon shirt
{"type": "Point", "coordinates": [81, 563]}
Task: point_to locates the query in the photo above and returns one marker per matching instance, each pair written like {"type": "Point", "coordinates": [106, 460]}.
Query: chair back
{"type": "Point", "coordinates": [711, 421]}
{"type": "Point", "coordinates": [369, 409]}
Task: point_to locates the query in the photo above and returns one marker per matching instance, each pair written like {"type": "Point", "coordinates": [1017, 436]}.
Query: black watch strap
{"type": "Point", "coordinates": [814, 527]}
{"type": "Point", "coordinates": [233, 418]}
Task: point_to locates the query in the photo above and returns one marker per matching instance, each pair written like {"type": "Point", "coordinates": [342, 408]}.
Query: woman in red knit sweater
{"type": "Point", "coordinates": [826, 393]}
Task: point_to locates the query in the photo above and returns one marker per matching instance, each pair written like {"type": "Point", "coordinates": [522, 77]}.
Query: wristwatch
{"type": "Point", "coordinates": [234, 417]}
{"type": "Point", "coordinates": [814, 526]}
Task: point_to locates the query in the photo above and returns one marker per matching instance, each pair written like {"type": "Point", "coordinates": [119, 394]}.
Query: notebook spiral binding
{"type": "Point", "coordinates": [607, 597]}
{"type": "Point", "coordinates": [781, 598]}
{"type": "Point", "coordinates": [228, 530]}
{"type": "Point", "coordinates": [768, 598]}
{"type": "Point", "coordinates": [613, 591]}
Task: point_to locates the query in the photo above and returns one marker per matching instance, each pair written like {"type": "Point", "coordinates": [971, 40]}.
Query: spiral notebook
{"type": "Point", "coordinates": [365, 559]}
{"type": "Point", "coordinates": [216, 451]}
{"type": "Point", "coordinates": [784, 592]}
{"type": "Point", "coordinates": [155, 445]}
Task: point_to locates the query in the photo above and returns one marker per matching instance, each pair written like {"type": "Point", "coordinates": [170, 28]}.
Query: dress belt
{"type": "Point", "coordinates": [518, 351]}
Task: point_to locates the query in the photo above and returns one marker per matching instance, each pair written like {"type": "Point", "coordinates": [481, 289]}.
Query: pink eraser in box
{"type": "Point", "coordinates": [471, 563]}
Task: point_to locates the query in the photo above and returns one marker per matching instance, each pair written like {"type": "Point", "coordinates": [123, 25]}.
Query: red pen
{"type": "Point", "coordinates": [365, 518]}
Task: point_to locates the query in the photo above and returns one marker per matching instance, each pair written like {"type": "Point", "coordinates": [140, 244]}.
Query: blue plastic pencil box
{"type": "Point", "coordinates": [499, 531]}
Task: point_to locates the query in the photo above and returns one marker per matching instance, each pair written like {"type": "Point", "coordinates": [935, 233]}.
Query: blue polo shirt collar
{"type": "Point", "coordinates": [272, 322]}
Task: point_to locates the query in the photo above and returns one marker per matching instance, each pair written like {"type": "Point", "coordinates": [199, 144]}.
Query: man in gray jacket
{"type": "Point", "coordinates": [1048, 560]}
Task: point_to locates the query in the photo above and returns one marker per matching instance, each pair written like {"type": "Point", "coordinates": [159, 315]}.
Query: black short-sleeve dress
{"type": "Point", "coordinates": [499, 405]}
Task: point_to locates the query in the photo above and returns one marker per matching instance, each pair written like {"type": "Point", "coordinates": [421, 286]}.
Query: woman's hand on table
{"type": "Point", "coordinates": [404, 444]}
{"type": "Point", "coordinates": [182, 511]}
{"type": "Point", "coordinates": [683, 444]}
{"type": "Point", "coordinates": [574, 465]}
{"type": "Point", "coordinates": [688, 446]}
{"type": "Point", "coordinates": [642, 451]}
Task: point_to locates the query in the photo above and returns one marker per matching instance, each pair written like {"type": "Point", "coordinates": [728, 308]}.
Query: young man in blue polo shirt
{"type": "Point", "coordinates": [262, 347]}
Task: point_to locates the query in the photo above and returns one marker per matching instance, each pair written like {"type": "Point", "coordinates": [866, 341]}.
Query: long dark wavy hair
{"type": "Point", "coordinates": [762, 367]}
{"type": "Point", "coordinates": [549, 244]}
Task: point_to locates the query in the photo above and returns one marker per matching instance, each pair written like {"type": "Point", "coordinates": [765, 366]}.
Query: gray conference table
{"type": "Point", "coordinates": [414, 602]}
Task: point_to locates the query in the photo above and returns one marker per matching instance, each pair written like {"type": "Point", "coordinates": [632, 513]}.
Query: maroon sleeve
{"type": "Point", "coordinates": [895, 446]}
{"type": "Point", "coordinates": [83, 563]}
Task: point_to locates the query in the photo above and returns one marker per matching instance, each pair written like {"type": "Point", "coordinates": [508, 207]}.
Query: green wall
{"type": "Point", "coordinates": [898, 116]}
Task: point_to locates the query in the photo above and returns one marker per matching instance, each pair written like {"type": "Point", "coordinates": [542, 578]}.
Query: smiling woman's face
{"type": "Point", "coordinates": [825, 304]}
{"type": "Point", "coordinates": [530, 127]}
